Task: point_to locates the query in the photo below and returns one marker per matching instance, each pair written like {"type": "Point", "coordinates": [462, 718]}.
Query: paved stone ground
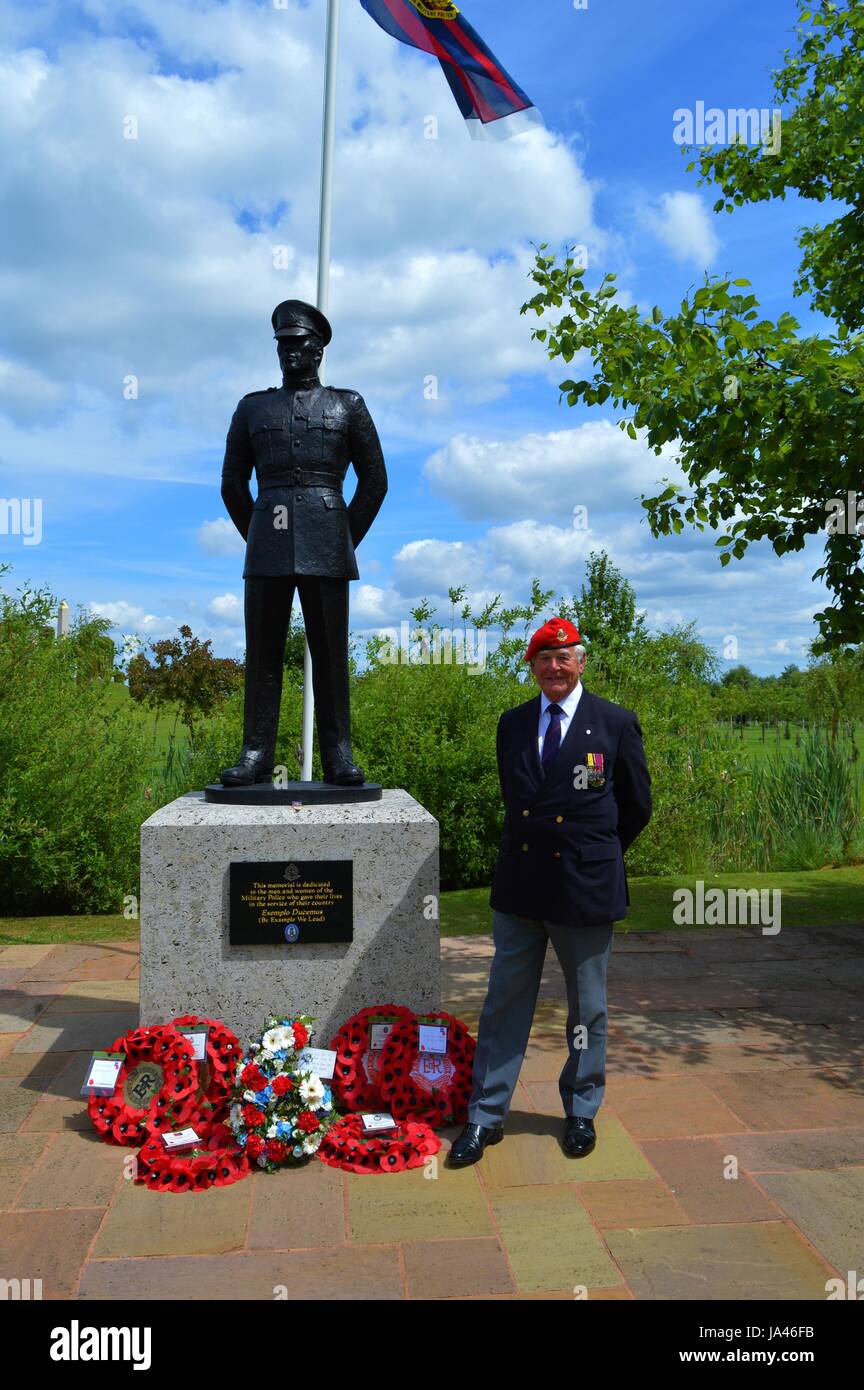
{"type": "Point", "coordinates": [724, 1047]}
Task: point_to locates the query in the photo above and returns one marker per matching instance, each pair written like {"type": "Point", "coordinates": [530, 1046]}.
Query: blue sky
{"type": "Point", "coordinates": [160, 258]}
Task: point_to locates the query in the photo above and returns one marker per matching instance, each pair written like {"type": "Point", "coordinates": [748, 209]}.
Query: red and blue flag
{"type": "Point", "coordinates": [484, 90]}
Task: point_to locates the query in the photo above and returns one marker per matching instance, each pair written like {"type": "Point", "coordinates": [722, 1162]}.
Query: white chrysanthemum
{"type": "Point", "coordinates": [311, 1144]}
{"type": "Point", "coordinates": [250, 1096]}
{"type": "Point", "coordinates": [312, 1091]}
{"type": "Point", "coordinates": [278, 1037]}
{"type": "Point", "coordinates": [278, 1064]}
{"type": "Point", "coordinates": [264, 1056]}
{"type": "Point", "coordinates": [272, 1132]}
{"type": "Point", "coordinates": [327, 1106]}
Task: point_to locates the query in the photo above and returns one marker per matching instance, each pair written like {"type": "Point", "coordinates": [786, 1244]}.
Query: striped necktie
{"type": "Point", "coordinates": [552, 741]}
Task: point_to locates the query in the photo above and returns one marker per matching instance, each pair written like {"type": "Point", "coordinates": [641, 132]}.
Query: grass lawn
{"type": "Point", "coordinates": [749, 742]}
{"type": "Point", "coordinates": [816, 898]}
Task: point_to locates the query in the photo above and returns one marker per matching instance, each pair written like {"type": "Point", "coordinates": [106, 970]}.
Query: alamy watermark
{"type": "Point", "coordinates": [22, 516]}
{"type": "Point", "coordinates": [748, 125]}
{"type": "Point", "coordinates": [720, 907]}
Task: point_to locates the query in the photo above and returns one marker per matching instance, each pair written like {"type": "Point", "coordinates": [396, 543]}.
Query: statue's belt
{"type": "Point", "coordinates": [300, 477]}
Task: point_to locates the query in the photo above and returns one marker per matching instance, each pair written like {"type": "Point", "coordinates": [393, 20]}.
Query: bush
{"type": "Point", "coordinates": [73, 769]}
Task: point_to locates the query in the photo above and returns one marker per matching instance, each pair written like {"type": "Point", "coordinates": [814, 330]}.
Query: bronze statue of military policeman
{"type": "Point", "coordinates": [299, 532]}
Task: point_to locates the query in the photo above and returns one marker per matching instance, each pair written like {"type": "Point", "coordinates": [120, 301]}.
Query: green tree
{"type": "Point", "coordinates": [767, 423]}
{"type": "Point", "coordinates": [184, 675]}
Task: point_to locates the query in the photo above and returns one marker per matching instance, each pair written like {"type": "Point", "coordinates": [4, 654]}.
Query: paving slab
{"type": "Point", "coordinates": [631, 1202]}
{"type": "Point", "coordinates": [816, 1149]}
{"type": "Point", "coordinates": [550, 1240]}
{"type": "Point", "coordinates": [141, 1222]}
{"type": "Point", "coordinates": [787, 1099]}
{"type": "Point", "coordinates": [96, 996]}
{"type": "Point", "coordinates": [298, 1209]}
{"type": "Point", "coordinates": [19, 1153]}
{"type": "Point", "coordinates": [373, 1273]}
{"type": "Point", "coordinates": [829, 1208]}
{"type": "Point", "coordinates": [71, 1032]}
{"type": "Point", "coordinates": [76, 1170]}
{"type": "Point", "coordinates": [46, 1245]}
{"type": "Point", "coordinates": [439, 1269]}
{"type": "Point", "coordinates": [21, 1006]}
{"type": "Point", "coordinates": [667, 1107]}
{"type": "Point", "coordinates": [408, 1206]}
{"type": "Point", "coordinates": [765, 1261]}
{"type": "Point", "coordinates": [708, 1185]}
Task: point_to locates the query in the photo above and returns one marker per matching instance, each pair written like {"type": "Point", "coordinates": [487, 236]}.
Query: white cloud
{"type": "Point", "coordinates": [154, 277]}
{"type": "Point", "coordinates": [595, 466]}
{"type": "Point", "coordinates": [221, 538]}
{"type": "Point", "coordinates": [227, 608]}
{"type": "Point", "coordinates": [128, 617]}
{"type": "Point", "coordinates": [682, 222]}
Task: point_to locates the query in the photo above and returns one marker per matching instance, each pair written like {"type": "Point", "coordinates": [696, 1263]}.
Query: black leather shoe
{"type": "Point", "coordinates": [252, 767]}
{"type": "Point", "coordinates": [343, 773]}
{"type": "Point", "coordinates": [472, 1141]}
{"type": "Point", "coordinates": [579, 1136]}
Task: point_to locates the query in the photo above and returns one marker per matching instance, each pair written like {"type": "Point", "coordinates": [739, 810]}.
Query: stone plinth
{"type": "Point", "coordinates": [188, 964]}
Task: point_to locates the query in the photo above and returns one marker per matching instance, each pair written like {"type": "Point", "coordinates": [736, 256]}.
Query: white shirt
{"type": "Point", "coordinates": [569, 708]}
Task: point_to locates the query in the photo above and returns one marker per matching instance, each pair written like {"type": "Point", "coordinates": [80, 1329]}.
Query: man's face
{"type": "Point", "coordinates": [300, 354]}
{"type": "Point", "coordinates": [557, 672]}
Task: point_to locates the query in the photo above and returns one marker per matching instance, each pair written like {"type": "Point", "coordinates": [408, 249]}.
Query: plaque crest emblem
{"type": "Point", "coordinates": [292, 932]}
{"type": "Point", "coordinates": [435, 9]}
{"type": "Point", "coordinates": [291, 872]}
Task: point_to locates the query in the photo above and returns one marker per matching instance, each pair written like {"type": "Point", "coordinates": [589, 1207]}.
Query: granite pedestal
{"type": "Point", "coordinates": [188, 964]}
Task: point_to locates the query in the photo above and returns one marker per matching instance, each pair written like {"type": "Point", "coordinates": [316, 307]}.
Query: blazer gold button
{"type": "Point", "coordinates": [559, 819]}
{"type": "Point", "coordinates": [526, 813]}
{"type": "Point", "coordinates": [524, 846]}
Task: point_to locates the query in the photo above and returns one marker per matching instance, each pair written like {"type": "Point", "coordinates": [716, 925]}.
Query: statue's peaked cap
{"type": "Point", "coordinates": [293, 317]}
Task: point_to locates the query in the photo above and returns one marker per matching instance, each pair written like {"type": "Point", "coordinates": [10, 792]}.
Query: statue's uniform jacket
{"type": "Point", "coordinates": [562, 848]}
{"type": "Point", "coordinates": [299, 443]}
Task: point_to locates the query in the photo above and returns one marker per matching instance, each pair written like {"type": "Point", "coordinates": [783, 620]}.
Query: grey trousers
{"type": "Point", "coordinates": [505, 1022]}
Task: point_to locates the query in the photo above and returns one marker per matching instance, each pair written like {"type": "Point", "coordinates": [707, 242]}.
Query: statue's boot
{"type": "Point", "coordinates": [254, 766]}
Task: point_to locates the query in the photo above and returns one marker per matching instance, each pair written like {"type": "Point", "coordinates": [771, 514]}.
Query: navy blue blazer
{"type": "Point", "coordinates": [562, 850]}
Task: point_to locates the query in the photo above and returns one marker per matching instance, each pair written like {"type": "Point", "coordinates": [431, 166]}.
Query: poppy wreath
{"type": "Point", "coordinates": [408, 1093]}
{"type": "Point", "coordinates": [216, 1075]}
{"type": "Point", "coordinates": [357, 1069]}
{"type": "Point", "coordinates": [217, 1162]}
{"type": "Point", "coordinates": [158, 1079]}
{"type": "Point", "coordinates": [346, 1146]}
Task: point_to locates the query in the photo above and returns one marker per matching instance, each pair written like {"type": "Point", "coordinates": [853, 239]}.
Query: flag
{"type": "Point", "coordinates": [489, 99]}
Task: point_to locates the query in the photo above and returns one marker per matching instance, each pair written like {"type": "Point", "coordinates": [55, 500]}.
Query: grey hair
{"type": "Point", "coordinates": [580, 650]}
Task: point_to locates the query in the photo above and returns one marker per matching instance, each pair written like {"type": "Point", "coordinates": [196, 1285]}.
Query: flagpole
{"type": "Point", "coordinates": [325, 222]}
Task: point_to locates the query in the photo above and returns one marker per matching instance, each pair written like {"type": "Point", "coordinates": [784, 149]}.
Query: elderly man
{"type": "Point", "coordinates": [577, 793]}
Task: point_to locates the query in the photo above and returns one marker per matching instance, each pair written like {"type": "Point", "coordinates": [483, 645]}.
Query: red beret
{"type": "Point", "coordinates": [558, 632]}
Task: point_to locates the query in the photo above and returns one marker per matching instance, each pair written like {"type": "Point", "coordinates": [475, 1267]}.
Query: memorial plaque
{"type": "Point", "coordinates": [283, 902]}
